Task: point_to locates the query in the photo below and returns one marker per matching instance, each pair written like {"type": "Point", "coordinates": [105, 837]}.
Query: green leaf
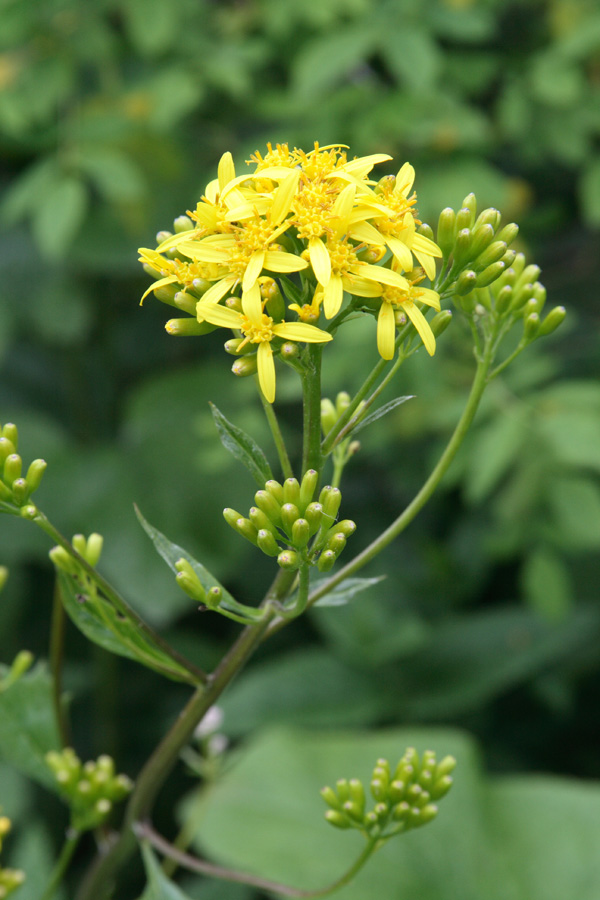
{"type": "Point", "coordinates": [415, 60]}
{"type": "Point", "coordinates": [493, 450]}
{"type": "Point", "coordinates": [525, 838]}
{"type": "Point", "coordinates": [159, 887]}
{"type": "Point", "coordinates": [171, 553]}
{"type": "Point", "coordinates": [27, 726]}
{"type": "Point", "coordinates": [59, 214]}
{"type": "Point", "coordinates": [343, 593]}
{"type": "Point", "coordinates": [243, 447]}
{"type": "Point", "coordinates": [102, 624]}
{"type": "Point", "coordinates": [575, 507]}
{"type": "Point", "coordinates": [382, 411]}
{"type": "Point", "coordinates": [589, 192]}
{"type": "Point", "coordinates": [114, 173]}
{"type": "Point", "coordinates": [327, 59]}
{"type": "Point", "coordinates": [34, 853]}
{"type": "Point", "coordinates": [546, 584]}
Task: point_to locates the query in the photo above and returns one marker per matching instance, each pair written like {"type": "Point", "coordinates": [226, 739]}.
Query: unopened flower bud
{"type": "Point", "coordinates": [188, 327]}
{"type": "Point", "coordinates": [552, 321]}
{"type": "Point", "coordinates": [330, 499]}
{"type": "Point", "coordinates": [291, 491]}
{"type": "Point", "coordinates": [266, 542]}
{"type": "Point", "coordinates": [338, 819]}
{"type": "Point", "coordinates": [307, 488]}
{"type": "Point", "coordinates": [336, 542]}
{"type": "Point", "coordinates": [234, 303]}
{"type": "Point", "coordinates": [275, 489]}
{"type": "Point", "coordinates": [488, 216]}
{"type": "Point", "coordinates": [426, 230]}
{"type": "Point", "coordinates": [446, 231]}
{"type": "Point", "coordinates": [289, 350]}
{"type": "Point", "coordinates": [261, 520]}
{"type": "Point", "coordinates": [289, 559]}
{"type": "Point", "coordinates": [182, 223]}
{"type": "Point", "coordinates": [7, 448]}
{"type": "Point", "coordinates": [326, 561]}
{"type": "Point", "coordinates": [490, 255]}
{"type": "Point", "coordinates": [314, 516]}
{"type": "Point", "coordinates": [503, 300]}
{"type": "Point", "coordinates": [300, 533]}
{"type": "Point", "coordinates": [490, 274]}
{"type": "Point", "coordinates": [464, 219]}
{"type": "Point", "coordinates": [440, 322]}
{"type": "Point", "coordinates": [465, 283]}
{"type": "Point", "coordinates": [531, 326]}
{"type": "Point", "coordinates": [245, 365]}
{"type": "Point", "coordinates": [3, 576]}
{"type": "Point", "coordinates": [265, 500]}
{"type": "Point", "coordinates": [483, 235]}
{"type": "Point", "coordinates": [20, 491]}
{"type": "Point", "coordinates": [328, 415]}
{"type": "Point", "coordinates": [462, 246]}
{"type": "Point", "coordinates": [213, 597]}
{"type": "Point", "coordinates": [289, 514]}
{"type": "Point", "coordinates": [35, 473]}
{"type": "Point", "coordinates": [13, 465]}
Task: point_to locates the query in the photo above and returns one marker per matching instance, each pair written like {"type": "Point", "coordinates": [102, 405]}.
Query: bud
{"type": "Point", "coordinates": [289, 559]}
{"type": "Point", "coordinates": [330, 499]}
{"type": "Point", "coordinates": [342, 402]}
{"type": "Point", "coordinates": [185, 302]}
{"type": "Point", "coordinates": [261, 520]}
{"type": "Point", "coordinates": [12, 468]}
{"type": "Point", "coordinates": [326, 561]}
{"type": "Point", "coordinates": [241, 525]}
{"type": "Point", "coordinates": [531, 326]}
{"type": "Point", "coordinates": [163, 236]}
{"type": "Point", "coordinates": [528, 275]}
{"type": "Point", "coordinates": [20, 491]}
{"type": "Point", "coordinates": [28, 512]}
{"type": "Point", "coordinates": [467, 280]}
{"type": "Point", "coordinates": [275, 489]}
{"type": "Point", "coordinates": [7, 448]}
{"type": "Point", "coordinates": [232, 346]}
{"type": "Point", "coordinates": [289, 350]}
{"type": "Point", "coordinates": [521, 295]}
{"type": "Point", "coordinates": [291, 491]}
{"type": "Point", "coordinates": [508, 233]}
{"type": "Point", "coordinates": [188, 328]}
{"type": "Point", "coordinates": [269, 505]}
{"type": "Point", "coordinates": [336, 542]}
{"type": "Point", "coordinates": [3, 576]}
{"type": "Point", "coordinates": [190, 586]}
{"type": "Point", "coordinates": [213, 597]}
{"type": "Point", "coordinates": [11, 433]}
{"type": "Point", "coordinates": [201, 285]}
{"type": "Point", "coordinates": [552, 321]}
{"type": "Point", "coordinates": [234, 303]}
{"type": "Point", "coordinates": [328, 415]}
{"type": "Point", "coordinates": [462, 247]}
{"type": "Point", "coordinates": [35, 473]}
{"type": "Point", "coordinates": [426, 230]}
{"type": "Point", "coordinates": [245, 365]}
{"type": "Point", "coordinates": [489, 216]}
{"type": "Point", "coordinates": [267, 543]}
{"type": "Point", "coordinates": [446, 231]}
{"type": "Point", "coordinates": [503, 300]}
{"type": "Point", "coordinates": [307, 488]}
{"type": "Point", "coordinates": [440, 322]}
{"type": "Point", "coordinates": [346, 527]}
{"type": "Point", "coordinates": [509, 257]}
{"type": "Point", "coordinates": [300, 533]}
{"type": "Point", "coordinates": [492, 254]}
{"type": "Point", "coordinates": [314, 516]}
{"type": "Point", "coordinates": [338, 819]}
{"type": "Point", "coordinates": [289, 514]}
{"type": "Point", "coordinates": [182, 223]}
{"type": "Point", "coordinates": [483, 236]}
{"type": "Point", "coordinates": [464, 219]}
{"type": "Point", "coordinates": [490, 274]}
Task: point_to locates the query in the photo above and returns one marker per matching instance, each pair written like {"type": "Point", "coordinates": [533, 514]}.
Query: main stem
{"type": "Point", "coordinates": [98, 883]}
{"type": "Point", "coordinates": [312, 457]}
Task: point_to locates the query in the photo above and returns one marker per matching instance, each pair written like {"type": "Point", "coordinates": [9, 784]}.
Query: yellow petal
{"type": "Point", "coordinates": [363, 165]}
{"type": "Point", "coordinates": [360, 287]}
{"type": "Point", "coordinates": [333, 294]}
{"type": "Point", "coordinates": [276, 173]}
{"type": "Point", "coordinates": [364, 232]}
{"type": "Point", "coordinates": [382, 275]}
{"type": "Point", "coordinates": [427, 262]}
{"type": "Point", "coordinates": [252, 303]}
{"type": "Point", "coordinates": [204, 252]}
{"type": "Point", "coordinates": [342, 209]}
{"type": "Point", "coordinates": [425, 245]}
{"type": "Point", "coordinates": [266, 370]}
{"type": "Point", "coordinates": [425, 295]}
{"type": "Point", "coordinates": [219, 289]}
{"type": "Point", "coordinates": [405, 179]}
{"type": "Point", "coordinates": [386, 331]}
{"type": "Point", "coordinates": [248, 210]}
{"type": "Point", "coordinates": [319, 260]}
{"type": "Point", "coordinates": [217, 315]}
{"type": "Point", "coordinates": [225, 170]}
{"type": "Point", "coordinates": [170, 279]}
{"type": "Point", "coordinates": [401, 253]}
{"type": "Point", "coordinates": [283, 196]}
{"type": "Point", "coordinates": [422, 325]}
{"type": "Point", "coordinates": [253, 269]}
{"type": "Point", "coordinates": [279, 261]}
{"type": "Point", "coordinates": [300, 331]}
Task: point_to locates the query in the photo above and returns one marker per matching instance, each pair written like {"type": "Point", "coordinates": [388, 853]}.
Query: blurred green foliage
{"type": "Point", "coordinates": [112, 117]}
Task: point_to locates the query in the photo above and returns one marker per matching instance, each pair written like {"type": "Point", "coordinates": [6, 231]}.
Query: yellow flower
{"type": "Point", "coordinates": [258, 328]}
{"type": "Point", "coordinates": [176, 271]}
{"type": "Point", "coordinates": [405, 300]}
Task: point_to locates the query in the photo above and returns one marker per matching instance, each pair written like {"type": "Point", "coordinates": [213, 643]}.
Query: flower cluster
{"type": "Point", "coordinates": [91, 789]}
{"type": "Point", "coordinates": [10, 879]}
{"type": "Point", "coordinates": [317, 214]}
{"type": "Point", "coordinates": [288, 524]}
{"type": "Point", "coordinates": [403, 796]}
{"type": "Point", "coordinates": [15, 487]}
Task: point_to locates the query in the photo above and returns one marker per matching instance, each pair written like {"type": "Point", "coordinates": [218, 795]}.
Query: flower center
{"type": "Point", "coordinates": [256, 332]}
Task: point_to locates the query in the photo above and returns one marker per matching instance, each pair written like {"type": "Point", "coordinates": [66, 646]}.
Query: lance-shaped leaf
{"type": "Point", "coordinates": [28, 728]}
{"type": "Point", "coordinates": [243, 447]}
{"type": "Point", "coordinates": [344, 592]}
{"type": "Point", "coordinates": [171, 553]}
{"type": "Point", "coordinates": [158, 887]}
{"type": "Point", "coordinates": [382, 411]}
{"type": "Point", "coordinates": [104, 625]}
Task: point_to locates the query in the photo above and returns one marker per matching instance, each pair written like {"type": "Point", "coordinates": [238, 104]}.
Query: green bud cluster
{"type": "Point", "coordinates": [3, 576]}
{"type": "Point", "coordinates": [188, 581]}
{"type": "Point", "coordinates": [517, 294]}
{"type": "Point", "coordinates": [287, 523]}
{"type": "Point", "coordinates": [16, 487]}
{"type": "Point", "coordinates": [90, 789]}
{"type": "Point", "coordinates": [89, 548]}
{"type": "Point", "coordinates": [404, 798]}
{"type": "Point", "coordinates": [10, 879]}
{"type": "Point", "coordinates": [475, 247]}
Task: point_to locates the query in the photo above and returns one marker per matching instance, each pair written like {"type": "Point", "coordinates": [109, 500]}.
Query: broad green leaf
{"type": "Point", "coordinates": [114, 173]}
{"type": "Point", "coordinates": [415, 60]}
{"type": "Point", "coordinates": [171, 553]}
{"type": "Point", "coordinates": [496, 840]}
{"type": "Point", "coordinates": [546, 584]}
{"type": "Point", "coordinates": [59, 214]}
{"type": "Point", "coordinates": [151, 24]}
{"type": "Point", "coordinates": [382, 411]}
{"type": "Point", "coordinates": [159, 887]}
{"type": "Point", "coordinates": [34, 853]}
{"type": "Point", "coordinates": [575, 506]}
{"type": "Point", "coordinates": [493, 451]}
{"type": "Point", "coordinates": [342, 593]}
{"type": "Point", "coordinates": [102, 624]}
{"type": "Point", "coordinates": [243, 447]}
{"type": "Point", "coordinates": [589, 192]}
{"type": "Point", "coordinates": [324, 61]}
{"type": "Point", "coordinates": [27, 725]}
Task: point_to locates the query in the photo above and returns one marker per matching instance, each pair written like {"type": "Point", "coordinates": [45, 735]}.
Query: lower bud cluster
{"type": "Point", "coordinates": [288, 524]}
{"type": "Point", "coordinates": [404, 797]}
{"type": "Point", "coordinates": [10, 879]}
{"type": "Point", "coordinates": [16, 487]}
{"type": "Point", "coordinates": [91, 789]}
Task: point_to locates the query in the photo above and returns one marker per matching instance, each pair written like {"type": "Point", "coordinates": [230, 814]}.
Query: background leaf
{"type": "Point", "coordinates": [243, 447]}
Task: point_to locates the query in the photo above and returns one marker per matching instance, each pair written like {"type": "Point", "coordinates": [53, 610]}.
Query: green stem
{"type": "Point", "coordinates": [292, 612]}
{"type": "Point", "coordinates": [197, 675]}
{"type": "Point", "coordinates": [56, 656]}
{"type": "Point", "coordinates": [97, 884]}
{"type": "Point", "coordinates": [311, 393]}
{"type": "Point", "coordinates": [284, 460]}
{"type": "Point", "coordinates": [405, 518]}
{"type": "Point", "coordinates": [145, 832]}
{"type": "Point", "coordinates": [62, 863]}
